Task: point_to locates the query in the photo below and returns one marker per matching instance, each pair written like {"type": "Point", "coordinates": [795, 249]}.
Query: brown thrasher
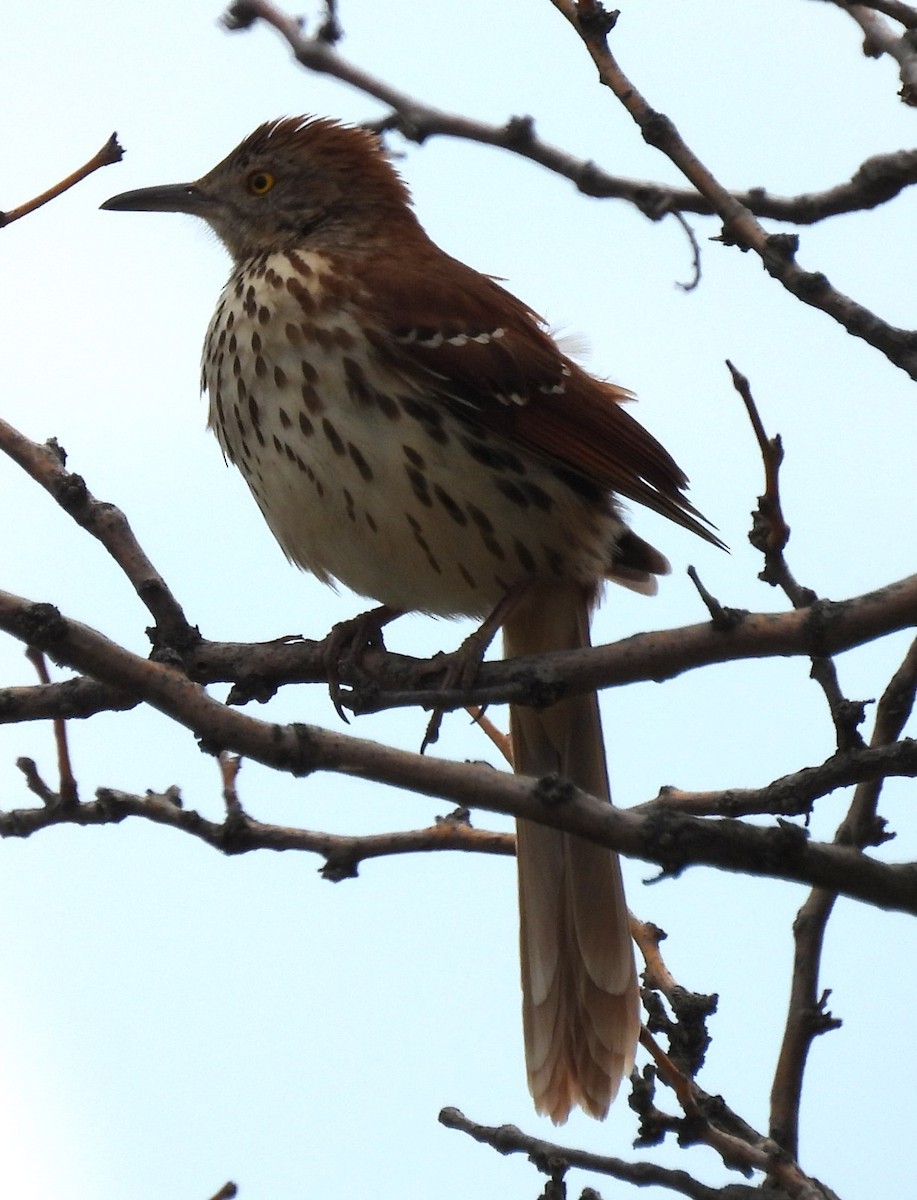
{"type": "Point", "coordinates": [410, 428]}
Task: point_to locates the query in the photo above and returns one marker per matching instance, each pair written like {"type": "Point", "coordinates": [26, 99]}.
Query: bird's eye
{"type": "Point", "coordinates": [260, 182]}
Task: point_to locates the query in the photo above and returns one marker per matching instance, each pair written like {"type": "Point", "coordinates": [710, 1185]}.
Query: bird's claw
{"type": "Point", "coordinates": [346, 644]}
{"type": "Point", "coordinates": [462, 670]}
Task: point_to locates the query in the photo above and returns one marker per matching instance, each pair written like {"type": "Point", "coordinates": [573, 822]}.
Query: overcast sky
{"type": "Point", "coordinates": [169, 1018]}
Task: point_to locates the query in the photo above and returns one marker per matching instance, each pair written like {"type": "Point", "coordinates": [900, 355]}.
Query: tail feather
{"type": "Point", "coordinates": [580, 1004]}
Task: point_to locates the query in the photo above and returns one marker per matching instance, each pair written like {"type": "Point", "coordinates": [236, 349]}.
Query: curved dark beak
{"type": "Point", "coordinates": [172, 197]}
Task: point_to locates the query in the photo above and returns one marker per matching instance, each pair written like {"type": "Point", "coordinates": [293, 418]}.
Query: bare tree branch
{"type": "Point", "coordinates": [110, 153]}
{"type": "Point", "coordinates": [826, 627]}
{"type": "Point", "coordinates": [895, 706]}
{"type": "Point", "coordinates": [81, 697]}
{"type": "Point", "coordinates": [878, 180]}
{"type": "Point", "coordinates": [807, 1014]}
{"type": "Point", "coordinates": [46, 465]}
{"type": "Point", "coordinates": [786, 1180]}
{"type": "Point", "coordinates": [896, 9]}
{"type": "Point", "coordinates": [776, 251]}
{"type": "Point", "coordinates": [672, 840]}
{"type": "Point", "coordinates": [554, 1160]}
{"type": "Point", "coordinates": [881, 39]}
{"type": "Point", "coordinates": [241, 834]}
{"type": "Point", "coordinates": [67, 789]}
{"type": "Point", "coordinates": [226, 1192]}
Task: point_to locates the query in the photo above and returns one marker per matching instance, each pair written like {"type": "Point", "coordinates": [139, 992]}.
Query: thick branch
{"type": "Point", "coordinates": [673, 840]}
{"type": "Point", "coordinates": [82, 697]}
{"type": "Point", "coordinates": [896, 9]}
{"type": "Point", "coordinates": [827, 627]}
{"type": "Point", "coordinates": [386, 680]}
{"type": "Point", "coordinates": [880, 38]}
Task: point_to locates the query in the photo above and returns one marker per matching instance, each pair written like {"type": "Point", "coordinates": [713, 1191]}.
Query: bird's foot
{"type": "Point", "coordinates": [465, 662]}
{"type": "Point", "coordinates": [347, 642]}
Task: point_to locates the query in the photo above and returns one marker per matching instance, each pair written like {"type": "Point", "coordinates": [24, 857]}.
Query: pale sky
{"type": "Point", "coordinates": [170, 1019]}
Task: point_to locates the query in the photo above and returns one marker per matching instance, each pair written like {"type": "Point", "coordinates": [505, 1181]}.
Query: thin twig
{"type": "Point", "coordinates": [110, 153]}
{"type": "Point", "coordinates": [695, 253]}
{"type": "Point", "coordinates": [806, 1018]}
{"type": "Point", "coordinates": [500, 739]}
{"type": "Point", "coordinates": [67, 789]}
{"type": "Point", "coordinates": [46, 465]}
{"type": "Point", "coordinates": [39, 788]}
{"type": "Point", "coordinates": [241, 834]}
{"type": "Point", "coordinates": [549, 1156]}
{"type": "Point", "coordinates": [226, 1192]}
{"type": "Point", "coordinates": [687, 1032]}
{"type": "Point", "coordinates": [230, 766]}
{"type": "Point", "coordinates": [721, 618]}
{"type": "Point", "coordinates": [861, 826]}
{"type": "Point", "coordinates": [770, 534]}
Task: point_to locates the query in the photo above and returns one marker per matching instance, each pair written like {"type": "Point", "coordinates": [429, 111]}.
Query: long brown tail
{"type": "Point", "coordinates": [580, 1003]}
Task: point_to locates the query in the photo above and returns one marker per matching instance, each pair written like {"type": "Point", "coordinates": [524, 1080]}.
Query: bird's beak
{"type": "Point", "coordinates": [172, 197]}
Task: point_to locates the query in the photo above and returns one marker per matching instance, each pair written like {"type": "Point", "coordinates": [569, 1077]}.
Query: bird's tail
{"type": "Point", "coordinates": [580, 1003]}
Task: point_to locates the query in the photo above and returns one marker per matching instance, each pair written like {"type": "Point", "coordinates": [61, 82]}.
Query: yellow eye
{"type": "Point", "coordinates": [260, 182]}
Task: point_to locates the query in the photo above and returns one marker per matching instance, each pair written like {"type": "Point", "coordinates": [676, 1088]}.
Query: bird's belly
{"type": "Point", "coordinates": [364, 480]}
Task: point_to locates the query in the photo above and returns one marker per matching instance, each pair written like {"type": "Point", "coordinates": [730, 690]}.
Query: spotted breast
{"type": "Point", "coordinates": [358, 466]}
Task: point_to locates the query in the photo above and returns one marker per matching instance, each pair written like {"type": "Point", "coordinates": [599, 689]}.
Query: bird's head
{"type": "Point", "coordinates": [292, 181]}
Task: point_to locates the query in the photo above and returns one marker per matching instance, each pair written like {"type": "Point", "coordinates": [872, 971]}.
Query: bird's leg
{"type": "Point", "coordinates": [465, 662]}
{"type": "Point", "coordinates": [346, 643]}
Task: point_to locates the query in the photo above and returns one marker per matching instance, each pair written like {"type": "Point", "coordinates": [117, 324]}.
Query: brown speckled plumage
{"type": "Point", "coordinates": [409, 428]}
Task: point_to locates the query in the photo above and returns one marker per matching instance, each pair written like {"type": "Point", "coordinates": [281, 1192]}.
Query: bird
{"type": "Point", "coordinates": [412, 430]}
